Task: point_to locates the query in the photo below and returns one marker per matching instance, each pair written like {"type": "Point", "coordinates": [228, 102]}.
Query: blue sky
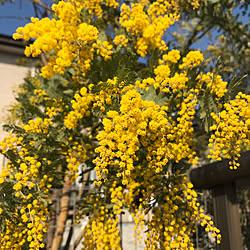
{"type": "Point", "coordinates": [21, 9]}
{"type": "Point", "coordinates": [24, 9]}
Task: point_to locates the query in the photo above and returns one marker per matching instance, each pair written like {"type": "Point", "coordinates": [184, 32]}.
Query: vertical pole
{"type": "Point", "coordinates": [197, 237]}
{"type": "Point", "coordinates": [121, 230]}
{"type": "Point", "coordinates": [227, 217]}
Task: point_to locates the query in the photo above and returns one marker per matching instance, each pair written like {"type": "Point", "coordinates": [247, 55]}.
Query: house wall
{"type": "Point", "coordinates": [10, 76]}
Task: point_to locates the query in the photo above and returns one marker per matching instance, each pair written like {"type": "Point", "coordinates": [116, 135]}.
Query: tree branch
{"type": "Point", "coordinates": [15, 17]}
{"type": "Point", "coordinates": [63, 214]}
{"type": "Point", "coordinates": [52, 223]}
{"type": "Point", "coordinates": [41, 4]}
{"type": "Point", "coordinates": [44, 60]}
{"type": "Point", "coordinates": [195, 37]}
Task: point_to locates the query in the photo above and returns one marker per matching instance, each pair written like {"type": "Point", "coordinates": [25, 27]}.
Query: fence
{"type": "Point", "coordinates": [201, 240]}
{"type": "Point", "coordinates": [224, 184]}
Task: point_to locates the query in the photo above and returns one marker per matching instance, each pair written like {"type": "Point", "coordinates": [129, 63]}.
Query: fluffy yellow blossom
{"type": "Point", "coordinates": [94, 7]}
{"type": "Point", "coordinates": [102, 231]}
{"type": "Point", "coordinates": [192, 59]}
{"type": "Point", "coordinates": [104, 49]}
{"type": "Point", "coordinates": [80, 108]}
{"type": "Point", "coordinates": [149, 26]}
{"type": "Point", "coordinates": [38, 126]}
{"type": "Point", "coordinates": [32, 213]}
{"type": "Point", "coordinates": [49, 33]}
{"type": "Point", "coordinates": [74, 158]}
{"type": "Point", "coordinates": [120, 137]}
{"type": "Point", "coordinates": [120, 41]}
{"type": "Point", "coordinates": [215, 83]}
{"type": "Point", "coordinates": [172, 56]}
{"type": "Point", "coordinates": [231, 130]}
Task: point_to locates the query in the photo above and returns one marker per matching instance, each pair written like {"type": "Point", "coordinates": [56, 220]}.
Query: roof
{"type": "Point", "coordinates": [9, 45]}
{"type": "Point", "coordinates": [8, 40]}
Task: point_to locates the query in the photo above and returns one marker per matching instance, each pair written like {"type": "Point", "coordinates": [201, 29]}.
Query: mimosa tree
{"type": "Point", "coordinates": [113, 96]}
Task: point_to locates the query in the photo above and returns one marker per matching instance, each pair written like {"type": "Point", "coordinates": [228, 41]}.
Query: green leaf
{"type": "Point", "coordinates": [151, 95]}
{"type": "Point", "coordinates": [102, 36]}
{"type": "Point", "coordinates": [69, 92]}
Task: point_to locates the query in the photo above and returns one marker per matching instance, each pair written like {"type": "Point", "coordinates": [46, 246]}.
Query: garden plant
{"type": "Point", "coordinates": [114, 99]}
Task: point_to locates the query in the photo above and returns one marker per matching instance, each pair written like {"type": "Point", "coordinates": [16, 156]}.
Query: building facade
{"type": "Point", "coordinates": [11, 75]}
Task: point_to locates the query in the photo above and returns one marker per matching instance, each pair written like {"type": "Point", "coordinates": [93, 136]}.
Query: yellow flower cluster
{"type": "Point", "coordinates": [105, 97]}
{"type": "Point", "coordinates": [52, 111]}
{"type": "Point", "coordinates": [69, 16]}
{"type": "Point", "coordinates": [163, 79]}
{"type": "Point", "coordinates": [50, 34]}
{"type": "Point", "coordinates": [142, 138]}
{"type": "Point", "coordinates": [104, 49]}
{"type": "Point", "coordinates": [73, 41]}
{"type": "Point", "coordinates": [32, 213]}
{"type": "Point", "coordinates": [38, 126]}
{"type": "Point", "coordinates": [168, 231]}
{"type": "Point", "coordinates": [9, 143]}
{"type": "Point", "coordinates": [161, 137]}
{"type": "Point", "coordinates": [165, 230]}
{"type": "Point", "coordinates": [183, 132]}
{"type": "Point", "coordinates": [94, 7]}
{"type": "Point", "coordinates": [177, 82]}
{"type": "Point", "coordinates": [102, 230]}
{"type": "Point", "coordinates": [120, 41]}
{"type": "Point", "coordinates": [80, 108]}
{"type": "Point", "coordinates": [10, 239]}
{"type": "Point", "coordinates": [83, 101]}
{"type": "Point", "coordinates": [215, 83]}
{"type": "Point", "coordinates": [147, 22]}
{"type": "Point", "coordinates": [149, 26]}
{"type": "Point", "coordinates": [39, 97]}
{"type": "Point", "coordinates": [70, 38]}
{"type": "Point", "coordinates": [55, 107]}
{"type": "Point", "coordinates": [4, 173]}
{"type": "Point", "coordinates": [195, 4]}
{"type": "Point", "coordinates": [40, 92]}
{"type": "Point", "coordinates": [162, 73]}
{"type": "Point", "coordinates": [193, 59]}
{"type": "Point", "coordinates": [172, 56]}
{"type": "Point", "coordinates": [74, 157]}
{"type": "Point", "coordinates": [232, 130]}
{"type": "Point", "coordinates": [117, 197]}
{"type": "Point", "coordinates": [31, 230]}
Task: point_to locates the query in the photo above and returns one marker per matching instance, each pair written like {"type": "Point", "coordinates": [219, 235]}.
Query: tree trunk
{"type": "Point", "coordinates": [52, 223]}
{"type": "Point", "coordinates": [79, 197]}
{"type": "Point", "coordinates": [63, 214]}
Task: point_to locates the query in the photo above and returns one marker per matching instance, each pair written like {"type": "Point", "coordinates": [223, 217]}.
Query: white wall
{"type": "Point", "coordinates": [10, 75]}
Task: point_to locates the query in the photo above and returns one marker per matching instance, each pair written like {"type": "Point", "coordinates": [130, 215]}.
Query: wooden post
{"type": "Point", "coordinates": [227, 217]}
{"type": "Point", "coordinates": [223, 182]}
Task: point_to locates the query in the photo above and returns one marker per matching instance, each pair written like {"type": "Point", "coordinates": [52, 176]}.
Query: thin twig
{"type": "Point", "coordinates": [86, 177]}
{"type": "Point", "coordinates": [41, 4]}
{"type": "Point", "coordinates": [15, 17]}
{"type": "Point", "coordinates": [44, 60]}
